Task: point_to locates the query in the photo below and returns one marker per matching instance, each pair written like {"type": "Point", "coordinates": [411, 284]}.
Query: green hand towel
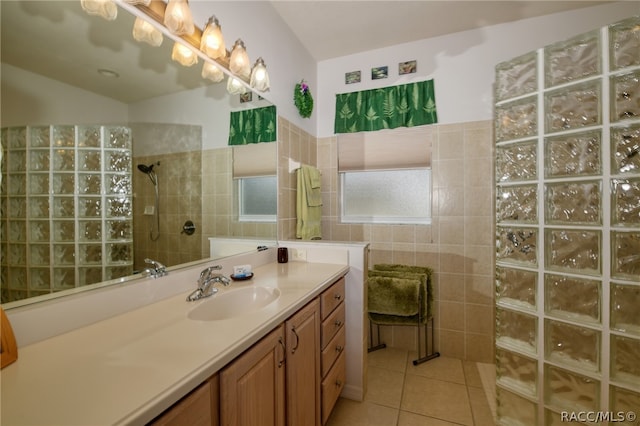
{"type": "Point", "coordinates": [393, 296]}
{"type": "Point", "coordinates": [309, 217]}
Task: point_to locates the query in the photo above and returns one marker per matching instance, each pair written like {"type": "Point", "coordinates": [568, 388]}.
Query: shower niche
{"type": "Point", "coordinates": [66, 208]}
{"type": "Point", "coordinates": [567, 132]}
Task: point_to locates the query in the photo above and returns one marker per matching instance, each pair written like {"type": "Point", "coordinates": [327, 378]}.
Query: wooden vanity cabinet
{"type": "Point", "coordinates": [293, 376]}
{"type": "Point", "coordinates": [252, 387]}
{"type": "Point", "coordinates": [332, 337]}
{"type": "Point", "coordinates": [198, 408]}
{"type": "Point", "coordinates": [303, 366]}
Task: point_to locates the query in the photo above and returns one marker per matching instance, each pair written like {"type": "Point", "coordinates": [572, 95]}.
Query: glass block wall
{"type": "Point", "coordinates": [567, 132]}
{"type": "Point", "coordinates": [66, 213]}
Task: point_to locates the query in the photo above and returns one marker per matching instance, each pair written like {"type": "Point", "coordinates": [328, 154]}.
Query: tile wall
{"type": "Point", "coordinates": [458, 245]}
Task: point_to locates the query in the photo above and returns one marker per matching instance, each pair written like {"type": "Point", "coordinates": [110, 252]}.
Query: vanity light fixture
{"type": "Point", "coordinates": [212, 72]}
{"type": "Point", "coordinates": [174, 20]}
{"type": "Point", "coordinates": [146, 32]}
{"type": "Point", "coordinates": [178, 18]}
{"type": "Point", "coordinates": [239, 61]}
{"type": "Point", "coordinates": [234, 87]}
{"type": "Point", "coordinates": [212, 42]}
{"type": "Point", "coordinates": [183, 55]}
{"type": "Point", "coordinates": [259, 76]}
{"type": "Point", "coordinates": [105, 8]}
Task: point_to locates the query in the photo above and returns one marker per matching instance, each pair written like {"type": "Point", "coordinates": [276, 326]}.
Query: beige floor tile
{"type": "Point", "coordinates": [411, 419]}
{"type": "Point", "coordinates": [353, 413]}
{"type": "Point", "coordinates": [393, 359]}
{"type": "Point", "coordinates": [437, 398]}
{"type": "Point", "coordinates": [471, 374]}
{"type": "Point", "coordinates": [384, 387]}
{"type": "Point", "coordinates": [441, 368]}
{"type": "Point", "coordinates": [482, 414]}
{"type": "Point", "coordinates": [488, 376]}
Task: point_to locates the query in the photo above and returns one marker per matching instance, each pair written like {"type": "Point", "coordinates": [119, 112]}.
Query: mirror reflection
{"type": "Point", "coordinates": [110, 151]}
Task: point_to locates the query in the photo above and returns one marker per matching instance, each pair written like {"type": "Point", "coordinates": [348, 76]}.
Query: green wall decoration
{"type": "Point", "coordinates": [406, 105]}
{"type": "Point", "coordinates": [253, 126]}
{"type": "Point", "coordinates": [302, 99]}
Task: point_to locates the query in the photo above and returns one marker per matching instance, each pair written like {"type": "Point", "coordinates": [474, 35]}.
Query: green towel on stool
{"type": "Point", "coordinates": [413, 270]}
{"type": "Point", "coordinates": [393, 296]}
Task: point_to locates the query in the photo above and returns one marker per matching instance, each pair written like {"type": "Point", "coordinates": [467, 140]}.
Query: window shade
{"type": "Point", "coordinates": [255, 160]}
{"type": "Point", "coordinates": [388, 149]}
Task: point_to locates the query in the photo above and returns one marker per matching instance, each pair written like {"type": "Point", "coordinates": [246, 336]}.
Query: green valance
{"type": "Point", "coordinates": [253, 126]}
{"type": "Point", "coordinates": [407, 105]}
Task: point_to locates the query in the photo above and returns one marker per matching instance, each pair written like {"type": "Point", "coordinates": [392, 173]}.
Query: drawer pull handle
{"type": "Point", "coordinates": [284, 352]}
{"type": "Point", "coordinates": [338, 383]}
{"type": "Point", "coordinates": [339, 348]}
{"type": "Point", "coordinates": [295, 347]}
{"type": "Point", "coordinates": [337, 296]}
{"type": "Point", "coordinates": [338, 323]}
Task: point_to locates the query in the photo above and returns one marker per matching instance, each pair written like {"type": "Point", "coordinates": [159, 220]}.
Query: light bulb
{"type": "Point", "coordinates": [144, 31]}
{"type": "Point", "coordinates": [212, 42]}
{"type": "Point", "coordinates": [212, 72]}
{"type": "Point", "coordinates": [178, 18]}
{"type": "Point", "coordinates": [183, 55]}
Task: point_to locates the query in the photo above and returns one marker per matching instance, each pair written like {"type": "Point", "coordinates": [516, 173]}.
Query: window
{"type": "Point", "coordinates": [386, 196]}
{"type": "Point", "coordinates": [257, 199]}
{"type": "Point", "coordinates": [385, 176]}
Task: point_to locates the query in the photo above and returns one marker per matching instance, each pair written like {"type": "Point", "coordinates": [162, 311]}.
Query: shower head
{"type": "Point", "coordinates": [148, 170]}
{"type": "Point", "coordinates": [145, 169]}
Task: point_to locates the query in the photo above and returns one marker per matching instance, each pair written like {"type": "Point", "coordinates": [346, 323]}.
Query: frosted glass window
{"type": "Point", "coordinates": [386, 196]}
{"type": "Point", "coordinates": [258, 199]}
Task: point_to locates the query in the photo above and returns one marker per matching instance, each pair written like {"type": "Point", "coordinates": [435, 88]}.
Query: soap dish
{"type": "Point", "coordinates": [244, 278]}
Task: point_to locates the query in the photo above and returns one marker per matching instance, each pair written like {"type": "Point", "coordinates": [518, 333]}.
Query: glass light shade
{"type": "Point", "coordinates": [178, 18]}
{"type": "Point", "coordinates": [259, 76]}
{"type": "Point", "coordinates": [144, 31]}
{"type": "Point", "coordinates": [105, 8]}
{"type": "Point", "coordinates": [239, 61]}
{"type": "Point", "coordinates": [212, 72]}
{"type": "Point", "coordinates": [212, 42]}
{"type": "Point", "coordinates": [183, 55]}
{"type": "Point", "coordinates": [235, 87]}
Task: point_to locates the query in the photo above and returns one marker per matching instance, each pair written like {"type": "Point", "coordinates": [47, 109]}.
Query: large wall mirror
{"type": "Point", "coordinates": [109, 149]}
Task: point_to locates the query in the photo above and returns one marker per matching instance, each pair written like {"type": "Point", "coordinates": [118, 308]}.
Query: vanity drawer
{"type": "Point", "coordinates": [331, 298]}
{"type": "Point", "coordinates": [332, 386]}
{"type": "Point", "coordinates": [333, 351]}
{"type": "Point", "coordinates": [332, 325]}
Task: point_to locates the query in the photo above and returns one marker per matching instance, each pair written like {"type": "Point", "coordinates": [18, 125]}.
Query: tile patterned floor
{"type": "Point", "coordinates": [441, 392]}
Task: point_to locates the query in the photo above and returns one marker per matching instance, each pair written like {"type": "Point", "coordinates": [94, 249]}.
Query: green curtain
{"type": "Point", "coordinates": [408, 105]}
{"type": "Point", "coordinates": [253, 126]}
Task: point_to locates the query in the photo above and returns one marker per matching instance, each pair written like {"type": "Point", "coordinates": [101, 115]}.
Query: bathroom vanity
{"type": "Point", "coordinates": [168, 359]}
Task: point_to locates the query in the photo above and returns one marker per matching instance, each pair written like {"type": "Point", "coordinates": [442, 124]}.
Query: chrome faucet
{"type": "Point", "coordinates": [157, 269]}
{"type": "Point", "coordinates": [206, 283]}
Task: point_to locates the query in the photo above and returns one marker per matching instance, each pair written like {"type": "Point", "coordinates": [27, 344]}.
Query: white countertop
{"type": "Point", "coordinates": [129, 368]}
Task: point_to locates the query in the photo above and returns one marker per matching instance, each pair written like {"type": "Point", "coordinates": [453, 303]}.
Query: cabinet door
{"type": "Point", "coordinates": [252, 386]}
{"type": "Point", "coordinates": [199, 408]}
{"type": "Point", "coordinates": [303, 366]}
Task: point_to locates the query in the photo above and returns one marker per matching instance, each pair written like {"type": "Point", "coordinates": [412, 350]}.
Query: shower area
{"type": "Point", "coordinates": [66, 208]}
{"type": "Point", "coordinates": [567, 131]}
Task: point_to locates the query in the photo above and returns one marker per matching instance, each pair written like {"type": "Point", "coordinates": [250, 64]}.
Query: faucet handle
{"type": "Point", "coordinates": [206, 273]}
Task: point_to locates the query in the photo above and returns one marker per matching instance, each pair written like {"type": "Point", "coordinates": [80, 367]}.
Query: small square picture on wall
{"type": "Point", "coordinates": [246, 97]}
{"type": "Point", "coordinates": [352, 77]}
{"type": "Point", "coordinates": [379, 72]}
{"type": "Point", "coordinates": [407, 67]}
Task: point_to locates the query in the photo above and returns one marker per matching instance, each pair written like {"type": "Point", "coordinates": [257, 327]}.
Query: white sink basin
{"type": "Point", "coordinates": [233, 302]}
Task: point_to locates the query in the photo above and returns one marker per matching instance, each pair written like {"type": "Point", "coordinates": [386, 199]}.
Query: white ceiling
{"type": "Point", "coordinates": [330, 29]}
{"type": "Point", "coordinates": [33, 32]}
